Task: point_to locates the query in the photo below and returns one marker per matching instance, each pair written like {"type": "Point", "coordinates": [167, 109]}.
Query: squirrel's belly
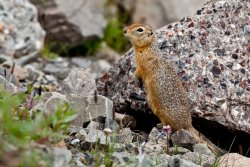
{"type": "Point", "coordinates": [166, 104]}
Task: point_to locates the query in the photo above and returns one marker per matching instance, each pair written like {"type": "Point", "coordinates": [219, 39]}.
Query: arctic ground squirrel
{"type": "Point", "coordinates": [165, 93]}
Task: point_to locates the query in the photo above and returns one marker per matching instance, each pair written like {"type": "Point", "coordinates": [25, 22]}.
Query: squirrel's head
{"type": "Point", "coordinates": [140, 35]}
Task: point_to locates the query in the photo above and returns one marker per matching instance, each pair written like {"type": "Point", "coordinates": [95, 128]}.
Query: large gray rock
{"type": "Point", "coordinates": [183, 138]}
{"type": "Point", "coordinates": [96, 135]}
{"type": "Point", "coordinates": [97, 67]}
{"type": "Point", "coordinates": [160, 12]}
{"type": "Point", "coordinates": [70, 22]}
{"type": "Point", "coordinates": [210, 52]}
{"type": "Point", "coordinates": [233, 160]}
{"type": "Point", "coordinates": [156, 141]}
{"type": "Point", "coordinates": [62, 157]}
{"type": "Point", "coordinates": [20, 32]}
{"type": "Point", "coordinates": [203, 149]}
{"type": "Point", "coordinates": [57, 70]}
{"type": "Point", "coordinates": [49, 102]}
{"type": "Point", "coordinates": [91, 107]}
{"type": "Point", "coordinates": [80, 83]}
{"type": "Point", "coordinates": [199, 159]}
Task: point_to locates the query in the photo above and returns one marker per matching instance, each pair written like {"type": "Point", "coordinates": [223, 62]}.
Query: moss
{"type": "Point", "coordinates": [113, 36]}
{"type": "Point", "coordinates": [47, 53]}
{"type": "Point", "coordinates": [84, 48]}
{"type": "Point", "coordinates": [113, 33]}
{"type": "Point", "coordinates": [18, 130]}
{"type": "Point", "coordinates": [87, 47]}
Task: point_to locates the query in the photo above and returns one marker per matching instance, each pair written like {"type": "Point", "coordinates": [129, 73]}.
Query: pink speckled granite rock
{"type": "Point", "coordinates": [211, 53]}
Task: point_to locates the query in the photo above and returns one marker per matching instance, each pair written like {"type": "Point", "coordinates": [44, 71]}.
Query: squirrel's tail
{"type": "Point", "coordinates": [202, 139]}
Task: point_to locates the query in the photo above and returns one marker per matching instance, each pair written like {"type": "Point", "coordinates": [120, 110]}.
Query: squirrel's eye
{"type": "Point", "coordinates": [139, 30]}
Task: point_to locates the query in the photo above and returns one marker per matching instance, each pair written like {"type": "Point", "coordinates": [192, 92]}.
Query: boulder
{"type": "Point", "coordinates": [49, 103]}
{"type": "Point", "coordinates": [62, 157]}
{"type": "Point", "coordinates": [69, 22]}
{"type": "Point", "coordinates": [57, 70]}
{"type": "Point", "coordinates": [80, 83]}
{"type": "Point", "coordinates": [233, 160]}
{"type": "Point", "coordinates": [210, 52]}
{"type": "Point", "coordinates": [20, 32]}
{"type": "Point", "coordinates": [94, 125]}
{"type": "Point", "coordinates": [199, 159]}
{"type": "Point", "coordinates": [125, 136]}
{"type": "Point", "coordinates": [96, 135]}
{"type": "Point", "coordinates": [183, 138]}
{"type": "Point", "coordinates": [160, 12]}
{"type": "Point", "coordinates": [91, 107]}
{"type": "Point", "coordinates": [156, 141]}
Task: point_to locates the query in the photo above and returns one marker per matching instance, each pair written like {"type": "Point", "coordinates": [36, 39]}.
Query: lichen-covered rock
{"type": "Point", "coordinates": [20, 32]}
{"type": "Point", "coordinates": [210, 51]}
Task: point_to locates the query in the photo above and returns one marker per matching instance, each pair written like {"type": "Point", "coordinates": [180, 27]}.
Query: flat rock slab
{"type": "Point", "coordinates": [91, 107]}
{"type": "Point", "coordinates": [210, 51]}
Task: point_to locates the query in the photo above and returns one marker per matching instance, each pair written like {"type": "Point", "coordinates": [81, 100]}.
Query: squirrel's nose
{"type": "Point", "coordinates": [125, 30]}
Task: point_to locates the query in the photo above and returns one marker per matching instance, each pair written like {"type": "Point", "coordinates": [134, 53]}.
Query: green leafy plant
{"type": "Point", "coordinates": [114, 37]}
{"type": "Point", "coordinates": [113, 33]}
{"type": "Point", "coordinates": [47, 52]}
{"type": "Point", "coordinates": [18, 130]}
{"type": "Point", "coordinates": [176, 150]}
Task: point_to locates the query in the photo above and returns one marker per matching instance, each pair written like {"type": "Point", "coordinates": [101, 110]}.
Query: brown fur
{"type": "Point", "coordinates": [165, 94]}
